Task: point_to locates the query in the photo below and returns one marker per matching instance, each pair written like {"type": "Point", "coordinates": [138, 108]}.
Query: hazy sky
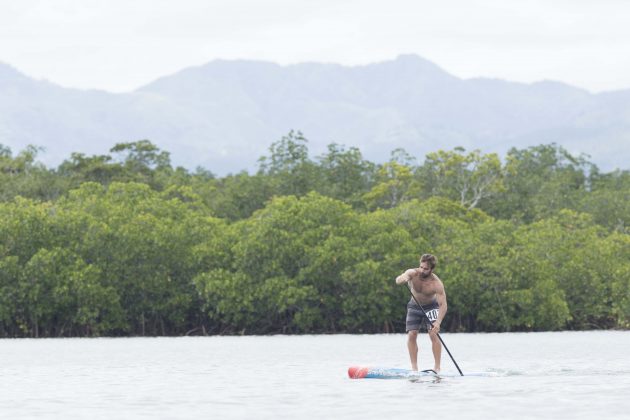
{"type": "Point", "coordinates": [119, 45]}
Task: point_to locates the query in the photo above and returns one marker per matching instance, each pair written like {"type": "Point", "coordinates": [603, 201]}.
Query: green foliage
{"type": "Point", "coordinates": [467, 178]}
{"type": "Point", "coordinates": [346, 175]}
{"type": "Point", "coordinates": [567, 249]}
{"type": "Point", "coordinates": [289, 166]}
{"type": "Point", "coordinates": [127, 245]}
{"type": "Point", "coordinates": [23, 176]}
{"type": "Point", "coordinates": [609, 200]}
{"type": "Point", "coordinates": [615, 268]}
{"type": "Point", "coordinates": [393, 182]}
{"type": "Point", "coordinates": [57, 290]}
{"type": "Point", "coordinates": [539, 181]}
{"type": "Point", "coordinates": [297, 239]}
{"type": "Point", "coordinates": [9, 306]}
{"type": "Point", "coordinates": [235, 197]}
{"type": "Point", "coordinates": [233, 308]}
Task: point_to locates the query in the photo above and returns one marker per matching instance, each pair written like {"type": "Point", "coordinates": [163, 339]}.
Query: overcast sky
{"type": "Point", "coordinates": [119, 45]}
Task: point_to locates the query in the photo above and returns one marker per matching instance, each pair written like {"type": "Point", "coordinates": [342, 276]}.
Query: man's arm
{"type": "Point", "coordinates": [440, 296]}
{"type": "Point", "coordinates": [405, 277]}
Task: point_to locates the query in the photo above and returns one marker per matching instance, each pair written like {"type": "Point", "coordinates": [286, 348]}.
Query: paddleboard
{"type": "Point", "coordinates": [366, 372]}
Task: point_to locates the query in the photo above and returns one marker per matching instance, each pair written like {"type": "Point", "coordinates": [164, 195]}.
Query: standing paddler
{"type": "Point", "coordinates": [428, 291]}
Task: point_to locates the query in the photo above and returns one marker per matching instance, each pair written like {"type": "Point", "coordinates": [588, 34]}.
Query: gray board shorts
{"type": "Point", "coordinates": [415, 317]}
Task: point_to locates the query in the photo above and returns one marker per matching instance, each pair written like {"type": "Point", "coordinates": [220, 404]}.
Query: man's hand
{"type": "Point", "coordinates": [435, 329]}
{"type": "Point", "coordinates": [403, 278]}
{"type": "Point", "coordinates": [400, 281]}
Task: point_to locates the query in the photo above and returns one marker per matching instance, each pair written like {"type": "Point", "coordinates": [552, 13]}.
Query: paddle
{"type": "Point", "coordinates": [438, 334]}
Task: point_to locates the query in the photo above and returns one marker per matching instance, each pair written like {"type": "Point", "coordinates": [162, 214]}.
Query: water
{"type": "Point", "coordinates": [566, 375]}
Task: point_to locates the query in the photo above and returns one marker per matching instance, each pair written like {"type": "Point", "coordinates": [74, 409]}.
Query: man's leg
{"type": "Point", "coordinates": [436, 346]}
{"type": "Point", "coordinates": [412, 345]}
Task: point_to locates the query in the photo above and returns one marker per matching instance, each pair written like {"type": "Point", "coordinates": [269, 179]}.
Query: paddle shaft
{"type": "Point", "coordinates": [438, 334]}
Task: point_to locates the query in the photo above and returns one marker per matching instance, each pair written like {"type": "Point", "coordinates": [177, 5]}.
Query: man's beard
{"type": "Point", "coordinates": [424, 276]}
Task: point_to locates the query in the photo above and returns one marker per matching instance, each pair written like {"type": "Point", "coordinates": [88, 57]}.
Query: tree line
{"type": "Point", "coordinates": [125, 244]}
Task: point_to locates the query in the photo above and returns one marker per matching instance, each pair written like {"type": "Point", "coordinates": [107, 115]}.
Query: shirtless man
{"type": "Point", "coordinates": [428, 290]}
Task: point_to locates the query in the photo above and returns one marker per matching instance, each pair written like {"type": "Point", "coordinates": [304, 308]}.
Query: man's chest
{"type": "Point", "coordinates": [425, 287]}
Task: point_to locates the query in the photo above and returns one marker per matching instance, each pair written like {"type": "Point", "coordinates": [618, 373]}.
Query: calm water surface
{"type": "Point", "coordinates": [567, 375]}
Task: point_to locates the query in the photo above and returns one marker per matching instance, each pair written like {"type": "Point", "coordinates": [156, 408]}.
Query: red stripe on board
{"type": "Point", "coordinates": [357, 372]}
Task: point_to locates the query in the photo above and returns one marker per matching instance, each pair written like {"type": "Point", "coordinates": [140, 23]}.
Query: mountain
{"type": "Point", "coordinates": [224, 115]}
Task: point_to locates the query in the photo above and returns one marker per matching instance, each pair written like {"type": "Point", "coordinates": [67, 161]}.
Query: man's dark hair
{"type": "Point", "coordinates": [429, 259]}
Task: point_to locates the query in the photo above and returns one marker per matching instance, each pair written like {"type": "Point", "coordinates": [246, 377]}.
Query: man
{"type": "Point", "coordinates": [428, 290]}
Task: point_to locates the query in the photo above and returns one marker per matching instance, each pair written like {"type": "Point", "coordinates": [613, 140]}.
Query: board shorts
{"type": "Point", "coordinates": [415, 317]}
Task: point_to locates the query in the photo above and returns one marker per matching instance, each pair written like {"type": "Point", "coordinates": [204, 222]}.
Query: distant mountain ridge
{"type": "Point", "coordinates": [225, 114]}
